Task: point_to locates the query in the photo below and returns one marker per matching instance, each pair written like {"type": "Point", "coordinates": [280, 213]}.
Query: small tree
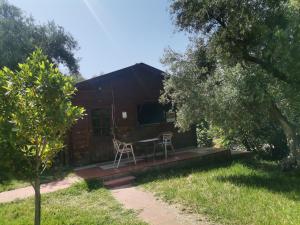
{"type": "Point", "coordinates": [36, 112]}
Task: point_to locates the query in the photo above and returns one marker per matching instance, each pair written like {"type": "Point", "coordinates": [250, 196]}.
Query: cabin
{"type": "Point", "coordinates": [124, 104]}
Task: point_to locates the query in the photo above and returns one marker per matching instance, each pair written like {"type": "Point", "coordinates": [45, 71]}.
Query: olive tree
{"type": "Point", "coordinates": [250, 50]}
{"type": "Point", "coordinates": [21, 34]}
{"type": "Point", "coordinates": [36, 112]}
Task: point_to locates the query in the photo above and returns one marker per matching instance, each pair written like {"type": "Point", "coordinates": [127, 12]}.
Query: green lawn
{"type": "Point", "coordinates": [241, 192]}
{"type": "Point", "coordinates": [10, 183]}
{"type": "Point", "coordinates": [85, 203]}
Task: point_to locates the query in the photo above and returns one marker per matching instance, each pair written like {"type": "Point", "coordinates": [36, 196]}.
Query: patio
{"type": "Point", "coordinates": [107, 171]}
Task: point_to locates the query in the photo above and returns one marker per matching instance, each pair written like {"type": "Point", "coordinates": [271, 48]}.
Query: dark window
{"type": "Point", "coordinates": [101, 122]}
{"type": "Point", "coordinates": [151, 113]}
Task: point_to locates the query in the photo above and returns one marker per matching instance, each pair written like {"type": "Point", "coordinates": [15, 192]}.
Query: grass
{"type": "Point", "coordinates": [82, 204]}
{"type": "Point", "coordinates": [242, 192]}
{"type": "Point", "coordinates": [10, 183]}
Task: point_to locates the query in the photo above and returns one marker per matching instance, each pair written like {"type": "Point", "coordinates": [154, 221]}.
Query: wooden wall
{"type": "Point", "coordinates": [126, 88]}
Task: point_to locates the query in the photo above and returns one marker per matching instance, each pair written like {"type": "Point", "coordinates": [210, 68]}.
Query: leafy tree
{"type": "Point", "coordinates": [295, 3]}
{"type": "Point", "coordinates": [77, 77]}
{"type": "Point", "coordinates": [20, 35]}
{"type": "Point", "coordinates": [242, 71]}
{"type": "Point", "coordinates": [36, 111]}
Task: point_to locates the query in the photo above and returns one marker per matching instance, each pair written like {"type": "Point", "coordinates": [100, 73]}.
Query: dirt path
{"type": "Point", "coordinates": [152, 210]}
{"type": "Point", "coordinates": [22, 193]}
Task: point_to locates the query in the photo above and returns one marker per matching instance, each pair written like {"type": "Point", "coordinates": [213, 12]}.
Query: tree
{"type": "Point", "coordinates": [295, 3]}
{"type": "Point", "coordinates": [36, 112]}
{"type": "Point", "coordinates": [77, 78]}
{"type": "Point", "coordinates": [20, 35]}
{"type": "Point", "coordinates": [200, 89]}
{"type": "Point", "coordinates": [250, 50]}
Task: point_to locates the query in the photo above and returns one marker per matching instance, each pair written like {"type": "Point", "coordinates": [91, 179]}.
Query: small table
{"type": "Point", "coordinates": [154, 140]}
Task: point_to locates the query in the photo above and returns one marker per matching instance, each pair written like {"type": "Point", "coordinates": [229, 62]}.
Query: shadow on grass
{"type": "Point", "coordinates": [262, 165]}
{"type": "Point", "coordinates": [55, 174]}
{"type": "Point", "coordinates": [267, 175]}
{"type": "Point", "coordinates": [10, 182]}
{"type": "Point", "coordinates": [93, 184]}
{"type": "Point", "coordinates": [183, 170]}
{"type": "Point", "coordinates": [285, 186]}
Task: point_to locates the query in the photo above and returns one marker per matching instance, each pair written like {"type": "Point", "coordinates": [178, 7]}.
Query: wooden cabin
{"type": "Point", "coordinates": [123, 103]}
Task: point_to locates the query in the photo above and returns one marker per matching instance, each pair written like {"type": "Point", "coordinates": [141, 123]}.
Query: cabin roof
{"type": "Point", "coordinates": [136, 68]}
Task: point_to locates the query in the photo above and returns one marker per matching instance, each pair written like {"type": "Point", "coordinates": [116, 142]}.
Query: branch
{"type": "Point", "coordinates": [270, 68]}
{"type": "Point", "coordinates": [31, 183]}
{"type": "Point", "coordinates": [221, 22]}
{"type": "Point", "coordinates": [44, 162]}
{"type": "Point", "coordinates": [43, 146]}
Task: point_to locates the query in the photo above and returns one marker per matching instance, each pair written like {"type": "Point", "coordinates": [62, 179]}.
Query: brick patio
{"type": "Point", "coordinates": [207, 155]}
{"type": "Point", "coordinates": [201, 154]}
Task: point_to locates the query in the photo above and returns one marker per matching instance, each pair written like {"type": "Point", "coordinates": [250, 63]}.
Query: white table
{"type": "Point", "coordinates": [154, 140]}
{"type": "Point", "coordinates": [149, 140]}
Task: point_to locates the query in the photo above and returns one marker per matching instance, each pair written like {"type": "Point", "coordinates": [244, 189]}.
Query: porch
{"type": "Point", "coordinates": [107, 171]}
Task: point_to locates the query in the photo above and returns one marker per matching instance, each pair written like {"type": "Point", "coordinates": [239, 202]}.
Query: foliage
{"type": "Point", "coordinates": [241, 72]}
{"type": "Point", "coordinates": [84, 203]}
{"type": "Point", "coordinates": [243, 192]}
{"type": "Point", "coordinates": [40, 111]}
{"type": "Point", "coordinates": [204, 139]}
{"type": "Point", "coordinates": [77, 78]}
{"type": "Point", "coordinates": [37, 112]}
{"type": "Point", "coordinates": [20, 35]}
{"type": "Point", "coordinates": [295, 3]}
{"type": "Point", "coordinates": [265, 33]}
{"type": "Point", "coordinates": [219, 95]}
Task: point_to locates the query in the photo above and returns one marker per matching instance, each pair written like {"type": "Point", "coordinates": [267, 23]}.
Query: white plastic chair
{"type": "Point", "coordinates": [166, 141]}
{"type": "Point", "coordinates": [121, 148]}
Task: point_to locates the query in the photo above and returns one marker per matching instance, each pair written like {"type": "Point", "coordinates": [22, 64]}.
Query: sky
{"type": "Point", "coordinates": [112, 34]}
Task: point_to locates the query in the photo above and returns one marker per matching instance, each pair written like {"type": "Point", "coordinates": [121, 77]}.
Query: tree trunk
{"type": "Point", "coordinates": [291, 136]}
{"type": "Point", "coordinates": [37, 213]}
{"type": "Point", "coordinates": [37, 184]}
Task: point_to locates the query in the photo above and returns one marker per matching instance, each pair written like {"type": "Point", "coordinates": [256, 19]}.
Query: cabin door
{"type": "Point", "coordinates": [101, 148]}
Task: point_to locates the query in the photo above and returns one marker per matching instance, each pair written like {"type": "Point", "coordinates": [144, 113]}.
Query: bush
{"type": "Point", "coordinates": [204, 137]}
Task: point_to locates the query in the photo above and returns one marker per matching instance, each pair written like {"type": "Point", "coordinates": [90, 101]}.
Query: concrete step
{"type": "Point", "coordinates": [119, 182]}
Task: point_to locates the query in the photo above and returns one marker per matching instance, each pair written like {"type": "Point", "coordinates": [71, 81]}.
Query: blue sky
{"type": "Point", "coordinates": [112, 34]}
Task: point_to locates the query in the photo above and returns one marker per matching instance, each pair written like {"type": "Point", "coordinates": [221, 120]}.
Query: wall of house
{"type": "Point", "coordinates": [123, 91]}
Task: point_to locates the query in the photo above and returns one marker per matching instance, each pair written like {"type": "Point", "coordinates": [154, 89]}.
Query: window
{"type": "Point", "coordinates": [151, 113]}
{"type": "Point", "coordinates": [101, 122]}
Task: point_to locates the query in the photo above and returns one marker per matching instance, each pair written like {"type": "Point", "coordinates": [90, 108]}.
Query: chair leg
{"type": "Point", "coordinates": [172, 147]}
{"type": "Point", "coordinates": [154, 150]}
{"type": "Point", "coordinates": [133, 156]}
{"type": "Point", "coordinates": [119, 159]}
{"type": "Point", "coordinates": [116, 155]}
{"type": "Point", "coordinates": [166, 152]}
{"type": "Point", "coordinates": [128, 155]}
